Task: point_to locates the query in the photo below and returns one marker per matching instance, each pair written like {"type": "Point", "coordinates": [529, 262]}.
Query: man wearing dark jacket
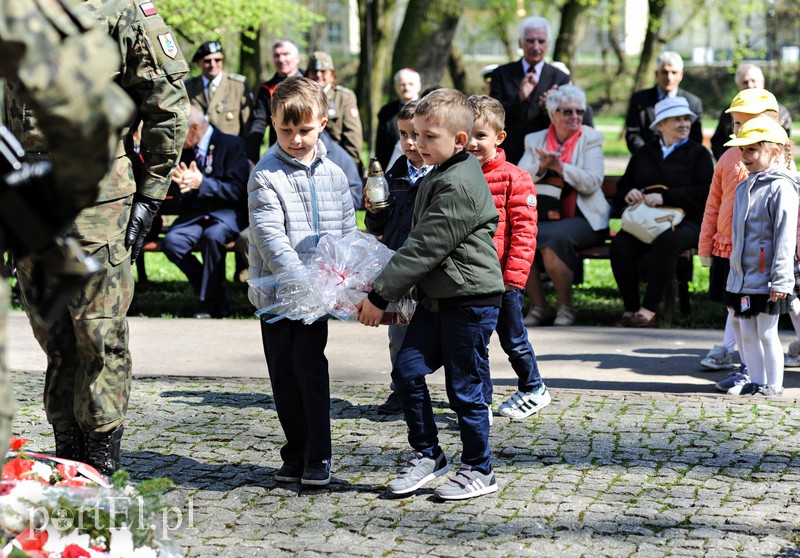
{"type": "Point", "coordinates": [286, 59]}
{"type": "Point", "coordinates": [212, 180]}
{"type": "Point", "coordinates": [641, 110]}
{"type": "Point", "coordinates": [522, 87]}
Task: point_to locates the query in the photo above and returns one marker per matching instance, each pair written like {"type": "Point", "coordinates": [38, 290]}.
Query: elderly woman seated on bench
{"type": "Point", "coordinates": [566, 163]}
{"type": "Point", "coordinates": [681, 169]}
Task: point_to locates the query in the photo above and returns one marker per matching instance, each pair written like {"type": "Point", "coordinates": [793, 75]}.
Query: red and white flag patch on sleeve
{"type": "Point", "coordinates": [148, 9]}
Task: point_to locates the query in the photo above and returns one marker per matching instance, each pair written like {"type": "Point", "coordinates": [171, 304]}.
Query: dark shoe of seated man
{"type": "Point", "coordinates": [219, 308]}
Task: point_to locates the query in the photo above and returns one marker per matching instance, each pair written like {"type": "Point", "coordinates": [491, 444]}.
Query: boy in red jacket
{"type": "Point", "coordinates": [515, 199]}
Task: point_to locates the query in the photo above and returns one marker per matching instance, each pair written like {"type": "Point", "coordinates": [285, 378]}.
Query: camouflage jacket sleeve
{"type": "Point", "coordinates": [64, 64]}
{"type": "Point", "coordinates": [152, 73]}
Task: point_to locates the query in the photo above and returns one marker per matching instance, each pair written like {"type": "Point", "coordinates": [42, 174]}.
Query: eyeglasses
{"type": "Point", "coordinates": [570, 112]}
{"type": "Point", "coordinates": [212, 60]}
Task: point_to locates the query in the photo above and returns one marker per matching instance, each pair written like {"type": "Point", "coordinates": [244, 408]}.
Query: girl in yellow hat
{"type": "Point", "coordinates": [762, 260]}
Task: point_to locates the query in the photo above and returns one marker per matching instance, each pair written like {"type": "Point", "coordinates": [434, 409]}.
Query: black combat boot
{"type": "Point", "coordinates": [70, 441]}
{"type": "Point", "coordinates": [102, 450]}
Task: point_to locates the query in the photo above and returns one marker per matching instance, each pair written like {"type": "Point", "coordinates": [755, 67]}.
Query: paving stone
{"type": "Point", "coordinates": [594, 474]}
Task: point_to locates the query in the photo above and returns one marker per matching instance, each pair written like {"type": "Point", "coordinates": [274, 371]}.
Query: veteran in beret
{"type": "Point", "coordinates": [225, 98]}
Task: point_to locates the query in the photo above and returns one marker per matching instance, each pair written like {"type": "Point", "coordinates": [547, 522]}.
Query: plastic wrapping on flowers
{"type": "Point", "coordinates": [332, 283]}
{"type": "Point", "coordinates": [48, 508]}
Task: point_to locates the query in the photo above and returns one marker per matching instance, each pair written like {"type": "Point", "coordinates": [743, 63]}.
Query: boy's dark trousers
{"type": "Point", "coordinates": [457, 339]}
{"type": "Point", "coordinates": [513, 337]}
{"type": "Point", "coordinates": [298, 372]}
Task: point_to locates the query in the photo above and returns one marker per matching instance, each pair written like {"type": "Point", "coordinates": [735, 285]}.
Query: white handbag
{"type": "Point", "coordinates": [646, 223]}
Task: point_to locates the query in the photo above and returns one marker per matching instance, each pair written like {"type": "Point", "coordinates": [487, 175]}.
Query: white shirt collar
{"type": "Point", "coordinates": [537, 69]}
{"type": "Point", "coordinates": [215, 82]}
{"type": "Point", "coordinates": [202, 145]}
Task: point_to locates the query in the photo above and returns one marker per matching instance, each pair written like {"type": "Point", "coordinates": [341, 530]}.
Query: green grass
{"type": "Point", "coordinates": [167, 294]}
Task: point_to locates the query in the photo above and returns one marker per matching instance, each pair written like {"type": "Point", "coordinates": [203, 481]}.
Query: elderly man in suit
{"type": "Point", "coordinates": [224, 97]}
{"type": "Point", "coordinates": [748, 76]}
{"type": "Point", "coordinates": [522, 87]}
{"type": "Point", "coordinates": [641, 110]}
{"type": "Point", "coordinates": [212, 183]}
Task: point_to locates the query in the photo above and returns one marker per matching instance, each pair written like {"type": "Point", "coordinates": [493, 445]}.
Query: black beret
{"type": "Point", "coordinates": [208, 47]}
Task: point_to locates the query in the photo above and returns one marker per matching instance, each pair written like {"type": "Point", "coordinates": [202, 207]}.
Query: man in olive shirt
{"type": "Point", "coordinates": [224, 97]}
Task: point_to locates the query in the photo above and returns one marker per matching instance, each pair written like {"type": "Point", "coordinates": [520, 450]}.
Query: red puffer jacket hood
{"type": "Point", "coordinates": [514, 197]}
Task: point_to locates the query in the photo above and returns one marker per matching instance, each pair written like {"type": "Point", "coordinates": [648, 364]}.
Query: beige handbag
{"type": "Point", "coordinates": [646, 223]}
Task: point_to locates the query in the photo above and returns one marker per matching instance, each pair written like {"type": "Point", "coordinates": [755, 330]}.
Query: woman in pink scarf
{"type": "Point", "coordinates": [566, 163]}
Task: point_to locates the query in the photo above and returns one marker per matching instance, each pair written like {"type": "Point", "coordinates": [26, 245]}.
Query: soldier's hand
{"type": "Point", "coordinates": [142, 213]}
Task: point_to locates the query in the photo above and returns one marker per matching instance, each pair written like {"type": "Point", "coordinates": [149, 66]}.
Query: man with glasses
{"type": "Point", "coordinates": [522, 87]}
{"type": "Point", "coordinates": [641, 110]}
{"type": "Point", "coordinates": [225, 98]}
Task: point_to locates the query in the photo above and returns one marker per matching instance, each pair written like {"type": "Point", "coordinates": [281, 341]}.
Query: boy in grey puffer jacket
{"type": "Point", "coordinates": [295, 196]}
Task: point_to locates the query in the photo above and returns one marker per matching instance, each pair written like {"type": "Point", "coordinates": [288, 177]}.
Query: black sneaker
{"type": "Point", "coordinates": [317, 473]}
{"type": "Point", "coordinates": [391, 406]}
{"type": "Point", "coordinates": [290, 471]}
{"type": "Point", "coordinates": [749, 389]}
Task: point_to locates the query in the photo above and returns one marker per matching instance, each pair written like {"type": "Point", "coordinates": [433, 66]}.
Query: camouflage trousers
{"type": "Point", "coordinates": [88, 378]}
{"type": "Point", "coordinates": [6, 399]}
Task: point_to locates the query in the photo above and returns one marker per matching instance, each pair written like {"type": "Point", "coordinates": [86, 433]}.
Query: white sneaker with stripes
{"type": "Point", "coordinates": [467, 483]}
{"type": "Point", "coordinates": [523, 404]}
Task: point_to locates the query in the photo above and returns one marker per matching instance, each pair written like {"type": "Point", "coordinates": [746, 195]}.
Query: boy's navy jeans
{"type": "Point", "coordinates": [298, 372]}
{"type": "Point", "coordinates": [513, 337]}
{"type": "Point", "coordinates": [457, 339]}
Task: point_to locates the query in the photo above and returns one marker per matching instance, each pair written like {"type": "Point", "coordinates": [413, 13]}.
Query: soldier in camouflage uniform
{"type": "Point", "coordinates": [52, 52]}
{"type": "Point", "coordinates": [224, 97]}
{"type": "Point", "coordinates": [88, 379]}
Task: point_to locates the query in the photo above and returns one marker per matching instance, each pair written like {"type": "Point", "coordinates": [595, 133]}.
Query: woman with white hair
{"type": "Point", "coordinates": [672, 170]}
{"type": "Point", "coordinates": [566, 163]}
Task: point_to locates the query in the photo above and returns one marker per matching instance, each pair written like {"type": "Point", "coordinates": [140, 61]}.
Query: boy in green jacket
{"type": "Point", "coordinates": [451, 258]}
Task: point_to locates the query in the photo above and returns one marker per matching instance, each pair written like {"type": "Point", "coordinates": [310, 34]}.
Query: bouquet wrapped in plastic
{"type": "Point", "coordinates": [338, 276]}
{"type": "Point", "coordinates": [51, 507]}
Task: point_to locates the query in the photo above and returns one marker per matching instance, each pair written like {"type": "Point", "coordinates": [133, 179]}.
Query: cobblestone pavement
{"type": "Point", "coordinates": [591, 475]}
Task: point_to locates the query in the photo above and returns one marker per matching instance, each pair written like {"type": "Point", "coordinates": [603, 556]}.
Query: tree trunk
{"type": "Point", "coordinates": [250, 58]}
{"type": "Point", "coordinates": [614, 34]}
{"type": "Point", "coordinates": [652, 42]}
{"type": "Point", "coordinates": [455, 66]}
{"type": "Point", "coordinates": [427, 31]}
{"type": "Point", "coordinates": [376, 43]}
{"type": "Point", "coordinates": [569, 32]}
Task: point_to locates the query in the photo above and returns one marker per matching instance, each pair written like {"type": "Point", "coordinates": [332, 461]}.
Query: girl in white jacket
{"type": "Point", "coordinates": [764, 231]}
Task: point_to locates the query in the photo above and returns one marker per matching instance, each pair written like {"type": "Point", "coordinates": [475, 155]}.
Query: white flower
{"type": "Point", "coordinates": [56, 542]}
{"type": "Point", "coordinates": [18, 508]}
{"type": "Point", "coordinates": [44, 471]}
{"type": "Point", "coordinates": [122, 546]}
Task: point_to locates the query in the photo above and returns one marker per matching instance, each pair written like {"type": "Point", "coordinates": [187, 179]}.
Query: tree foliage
{"type": "Point", "coordinates": [202, 20]}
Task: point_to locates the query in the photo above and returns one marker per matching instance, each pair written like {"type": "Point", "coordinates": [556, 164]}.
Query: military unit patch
{"type": "Point", "coordinates": [149, 9]}
{"type": "Point", "coordinates": [168, 44]}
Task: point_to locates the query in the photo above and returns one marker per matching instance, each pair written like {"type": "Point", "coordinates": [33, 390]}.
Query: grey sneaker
{"type": "Point", "coordinates": [733, 383]}
{"type": "Point", "coordinates": [419, 470]}
{"type": "Point", "coordinates": [792, 357]}
{"type": "Point", "coordinates": [718, 358]}
{"type": "Point", "coordinates": [467, 483]}
{"type": "Point", "coordinates": [522, 405]}
{"type": "Point", "coordinates": [769, 391]}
